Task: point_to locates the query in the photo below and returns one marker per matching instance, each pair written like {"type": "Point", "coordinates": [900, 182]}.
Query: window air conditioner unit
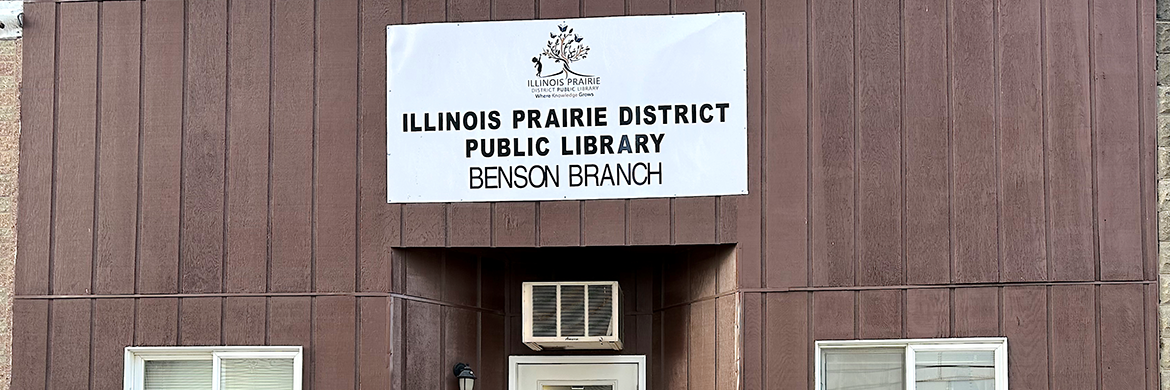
{"type": "Point", "coordinates": [572, 315]}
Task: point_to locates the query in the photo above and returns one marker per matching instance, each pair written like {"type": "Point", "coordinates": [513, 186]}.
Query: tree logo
{"type": "Point", "coordinates": [564, 47]}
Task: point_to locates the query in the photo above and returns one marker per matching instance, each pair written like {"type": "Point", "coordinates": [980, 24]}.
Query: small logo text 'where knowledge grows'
{"type": "Point", "coordinates": [565, 47]}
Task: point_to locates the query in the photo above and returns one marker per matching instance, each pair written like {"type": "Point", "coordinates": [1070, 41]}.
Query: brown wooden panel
{"type": "Point", "coordinates": [1025, 324]}
{"type": "Point", "coordinates": [748, 208]}
{"type": "Point", "coordinates": [726, 271]}
{"type": "Point", "coordinates": [675, 284]}
{"type": "Point", "coordinates": [335, 183]}
{"type": "Point", "coordinates": [879, 163]}
{"type": "Point", "coordinates": [1070, 176]}
{"type": "Point", "coordinates": [1021, 143]}
{"type": "Point", "coordinates": [461, 278]}
{"type": "Point", "coordinates": [603, 7]}
{"type": "Point", "coordinates": [244, 320]}
{"type": "Point", "coordinates": [72, 257]}
{"type": "Point", "coordinates": [649, 7]}
{"type": "Point", "coordinates": [470, 224]}
{"type": "Point", "coordinates": [645, 336]}
{"type": "Point", "coordinates": [379, 223]}
{"type": "Point", "coordinates": [786, 162]}
{"type": "Point", "coordinates": [118, 148]}
{"type": "Point", "coordinates": [493, 356]}
{"type": "Point", "coordinates": [560, 223]}
{"type": "Point", "coordinates": [728, 223]}
{"type": "Point", "coordinates": [30, 324]}
{"type": "Point", "coordinates": [292, 146]}
{"type": "Point", "coordinates": [650, 222]}
{"type": "Point", "coordinates": [424, 225]}
{"type": "Point", "coordinates": [879, 314]}
{"type": "Point", "coordinates": [113, 331]}
{"type": "Point", "coordinates": [460, 342]}
{"type": "Point", "coordinates": [157, 322]}
{"type": "Point", "coordinates": [832, 316]}
{"type": "Point", "coordinates": [1072, 332]}
{"type": "Point", "coordinates": [694, 220]}
{"type": "Point", "coordinates": [976, 312]}
{"type": "Point", "coordinates": [334, 342]}
{"type": "Point", "coordinates": [1122, 336]}
{"type": "Point", "coordinates": [290, 323]}
{"type": "Point", "coordinates": [374, 346]}
{"type": "Point", "coordinates": [559, 8]}
{"type": "Point", "coordinates": [423, 11]}
{"type": "Point", "coordinates": [603, 221]}
{"type": "Point", "coordinates": [1147, 104]}
{"type": "Point", "coordinates": [36, 153]}
{"type": "Point", "coordinates": [492, 283]}
{"type": "Point", "coordinates": [693, 6]}
{"type": "Point", "coordinates": [423, 347]}
{"type": "Point", "coordinates": [753, 330]}
{"type": "Point", "coordinates": [204, 132]}
{"type": "Point", "coordinates": [1117, 138]}
{"type": "Point", "coordinates": [513, 9]}
{"type": "Point", "coordinates": [248, 134]}
{"type": "Point", "coordinates": [701, 352]}
{"type": "Point", "coordinates": [69, 335]}
{"type": "Point", "coordinates": [514, 224]}
{"type": "Point", "coordinates": [928, 313]}
{"type": "Point", "coordinates": [200, 320]}
{"type": "Point", "coordinates": [162, 118]}
{"type": "Point", "coordinates": [726, 343]}
{"type": "Point", "coordinates": [675, 343]}
{"type": "Point", "coordinates": [703, 273]}
{"type": "Point", "coordinates": [926, 174]}
{"type": "Point", "coordinates": [659, 356]}
{"type": "Point", "coordinates": [832, 144]}
{"type": "Point", "coordinates": [786, 339]}
{"type": "Point", "coordinates": [468, 10]}
{"type": "Point", "coordinates": [973, 207]}
{"type": "Point", "coordinates": [424, 272]}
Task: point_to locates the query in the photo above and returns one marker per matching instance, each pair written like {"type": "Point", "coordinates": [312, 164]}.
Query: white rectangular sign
{"type": "Point", "coordinates": [600, 108]}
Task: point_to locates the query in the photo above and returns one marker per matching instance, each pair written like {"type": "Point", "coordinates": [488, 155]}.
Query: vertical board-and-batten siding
{"type": "Point", "coordinates": [227, 155]}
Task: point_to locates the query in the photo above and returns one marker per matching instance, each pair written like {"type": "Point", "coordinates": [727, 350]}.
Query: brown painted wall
{"type": "Point", "coordinates": [209, 172]}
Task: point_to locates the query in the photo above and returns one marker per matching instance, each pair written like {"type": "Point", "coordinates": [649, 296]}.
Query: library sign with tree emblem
{"type": "Point", "coordinates": [593, 108]}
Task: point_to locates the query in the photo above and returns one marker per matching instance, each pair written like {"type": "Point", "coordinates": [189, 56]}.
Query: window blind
{"type": "Point", "coordinates": [256, 374]}
{"type": "Point", "coordinates": [177, 375]}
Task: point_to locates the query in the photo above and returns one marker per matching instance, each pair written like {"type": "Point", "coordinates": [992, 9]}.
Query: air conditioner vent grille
{"type": "Point", "coordinates": [572, 315]}
{"type": "Point", "coordinates": [600, 310]}
{"type": "Point", "coordinates": [544, 311]}
{"type": "Point", "coordinates": [572, 311]}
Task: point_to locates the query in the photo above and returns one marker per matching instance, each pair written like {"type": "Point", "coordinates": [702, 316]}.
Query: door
{"type": "Point", "coordinates": [578, 373]}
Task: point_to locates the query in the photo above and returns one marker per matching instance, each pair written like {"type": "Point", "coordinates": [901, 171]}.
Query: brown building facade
{"type": "Point", "coordinates": [212, 172]}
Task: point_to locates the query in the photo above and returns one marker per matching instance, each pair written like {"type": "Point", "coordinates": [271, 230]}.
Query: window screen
{"type": "Point", "coordinates": [865, 369]}
{"type": "Point", "coordinates": [177, 375]}
{"type": "Point", "coordinates": [256, 374]}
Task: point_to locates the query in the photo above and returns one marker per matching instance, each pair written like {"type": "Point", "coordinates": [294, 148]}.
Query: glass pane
{"type": "Point", "coordinates": [955, 370]}
{"type": "Point", "coordinates": [576, 387]}
{"type": "Point", "coordinates": [177, 375]}
{"type": "Point", "coordinates": [256, 374]}
{"type": "Point", "coordinates": [864, 369]}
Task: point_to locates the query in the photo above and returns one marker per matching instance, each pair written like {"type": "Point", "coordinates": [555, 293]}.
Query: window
{"type": "Point", "coordinates": [212, 368]}
{"type": "Point", "coordinates": [927, 364]}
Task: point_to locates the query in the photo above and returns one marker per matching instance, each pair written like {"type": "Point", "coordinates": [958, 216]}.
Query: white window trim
{"type": "Point", "coordinates": [996, 344]}
{"type": "Point", "coordinates": [136, 357]}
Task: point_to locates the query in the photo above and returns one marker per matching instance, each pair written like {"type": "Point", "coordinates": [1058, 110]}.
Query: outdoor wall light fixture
{"type": "Point", "coordinates": [464, 375]}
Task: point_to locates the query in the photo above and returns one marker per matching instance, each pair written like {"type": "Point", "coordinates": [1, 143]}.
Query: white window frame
{"type": "Point", "coordinates": [136, 357]}
{"type": "Point", "coordinates": [995, 344]}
